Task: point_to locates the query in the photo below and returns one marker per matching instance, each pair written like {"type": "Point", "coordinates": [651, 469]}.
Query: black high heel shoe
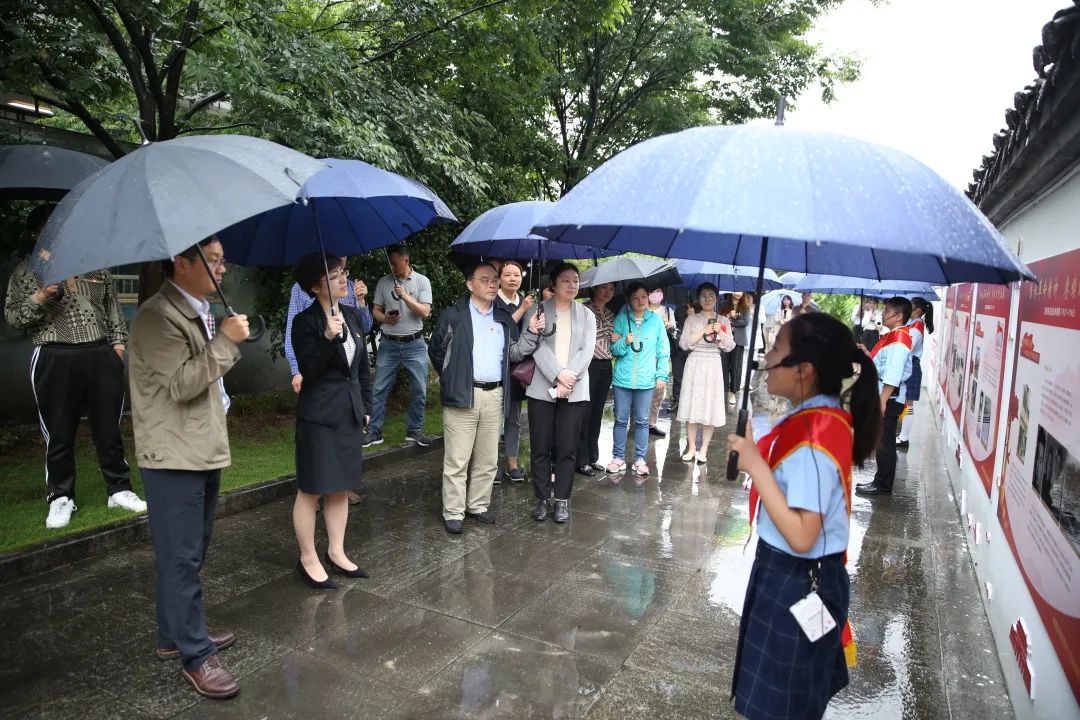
{"type": "Point", "coordinates": [359, 572]}
{"type": "Point", "coordinates": [326, 584]}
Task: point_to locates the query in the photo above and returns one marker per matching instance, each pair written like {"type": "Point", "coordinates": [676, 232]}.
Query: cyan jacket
{"type": "Point", "coordinates": [640, 370]}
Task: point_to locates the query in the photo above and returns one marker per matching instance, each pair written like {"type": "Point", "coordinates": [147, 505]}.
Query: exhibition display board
{"type": "Point", "coordinates": [986, 379]}
{"type": "Point", "coordinates": [1039, 500]}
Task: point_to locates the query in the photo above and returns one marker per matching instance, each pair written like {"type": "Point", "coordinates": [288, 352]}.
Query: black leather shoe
{"type": "Point", "coordinates": [540, 512]}
{"type": "Point", "coordinates": [359, 572]}
{"type": "Point", "coordinates": [872, 489]}
{"type": "Point", "coordinates": [562, 511]}
{"type": "Point", "coordinates": [454, 527]}
{"type": "Point", "coordinates": [586, 470]}
{"type": "Point", "coordinates": [653, 430]}
{"type": "Point", "coordinates": [487, 517]}
{"type": "Point", "coordinates": [326, 584]}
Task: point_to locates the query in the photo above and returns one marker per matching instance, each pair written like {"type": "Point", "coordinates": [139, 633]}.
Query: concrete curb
{"type": "Point", "coordinates": [51, 554]}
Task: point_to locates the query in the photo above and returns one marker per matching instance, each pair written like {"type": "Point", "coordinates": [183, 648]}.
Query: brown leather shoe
{"type": "Point", "coordinates": [212, 680]}
{"type": "Point", "coordinates": [221, 642]}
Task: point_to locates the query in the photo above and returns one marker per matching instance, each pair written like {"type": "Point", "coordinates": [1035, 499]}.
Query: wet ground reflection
{"type": "Point", "coordinates": [628, 611]}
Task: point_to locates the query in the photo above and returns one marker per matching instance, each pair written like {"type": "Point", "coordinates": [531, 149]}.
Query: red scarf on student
{"type": "Point", "coordinates": [900, 335]}
{"type": "Point", "coordinates": [829, 430]}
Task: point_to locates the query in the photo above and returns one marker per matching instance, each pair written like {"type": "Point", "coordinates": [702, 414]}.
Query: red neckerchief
{"type": "Point", "coordinates": [827, 429]}
{"type": "Point", "coordinates": [900, 335]}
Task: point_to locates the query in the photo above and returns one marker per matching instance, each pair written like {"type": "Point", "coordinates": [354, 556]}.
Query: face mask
{"type": "Point", "coordinates": [656, 297]}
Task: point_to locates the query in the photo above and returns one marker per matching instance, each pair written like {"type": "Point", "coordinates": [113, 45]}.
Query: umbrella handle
{"type": "Point", "coordinates": [744, 415]}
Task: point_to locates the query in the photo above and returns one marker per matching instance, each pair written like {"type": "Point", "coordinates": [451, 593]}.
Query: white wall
{"type": "Point", "coordinates": [1046, 228]}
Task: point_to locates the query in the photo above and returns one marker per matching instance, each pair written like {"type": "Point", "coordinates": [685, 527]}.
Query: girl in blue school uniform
{"type": "Point", "coordinates": [801, 482]}
{"type": "Point", "coordinates": [920, 325]}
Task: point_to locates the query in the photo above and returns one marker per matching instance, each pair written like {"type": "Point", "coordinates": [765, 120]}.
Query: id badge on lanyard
{"type": "Point", "coordinates": [811, 614]}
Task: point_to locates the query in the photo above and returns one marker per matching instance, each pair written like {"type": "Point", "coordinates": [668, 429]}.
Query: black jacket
{"type": "Point", "coordinates": [331, 388]}
{"type": "Point", "coordinates": [451, 350]}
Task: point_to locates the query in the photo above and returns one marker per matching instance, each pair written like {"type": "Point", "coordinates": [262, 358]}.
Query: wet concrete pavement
{"type": "Point", "coordinates": [629, 611]}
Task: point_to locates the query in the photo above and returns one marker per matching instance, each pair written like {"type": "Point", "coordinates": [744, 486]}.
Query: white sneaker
{"type": "Point", "coordinates": [731, 398]}
{"type": "Point", "coordinates": [127, 500]}
{"type": "Point", "coordinates": [60, 511]}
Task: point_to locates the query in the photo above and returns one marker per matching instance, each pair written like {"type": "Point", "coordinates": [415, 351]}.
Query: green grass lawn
{"type": "Point", "coordinates": [260, 435]}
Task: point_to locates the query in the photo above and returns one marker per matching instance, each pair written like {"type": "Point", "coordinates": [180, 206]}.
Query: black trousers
{"type": "Point", "coordinates": [554, 425]}
{"type": "Point", "coordinates": [886, 452]}
{"type": "Point", "coordinates": [678, 364]}
{"type": "Point", "coordinates": [181, 505]}
{"type": "Point", "coordinates": [733, 369]}
{"type": "Point", "coordinates": [599, 384]}
{"type": "Point", "coordinates": [68, 381]}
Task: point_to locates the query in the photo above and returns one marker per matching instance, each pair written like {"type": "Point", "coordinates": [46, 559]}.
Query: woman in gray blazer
{"type": "Point", "coordinates": [559, 393]}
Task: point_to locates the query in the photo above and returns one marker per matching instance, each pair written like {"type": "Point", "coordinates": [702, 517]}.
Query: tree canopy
{"type": "Point", "coordinates": [486, 101]}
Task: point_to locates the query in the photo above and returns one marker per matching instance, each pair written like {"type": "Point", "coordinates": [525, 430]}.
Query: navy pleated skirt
{"type": "Point", "coordinates": [914, 383]}
{"type": "Point", "coordinates": [779, 674]}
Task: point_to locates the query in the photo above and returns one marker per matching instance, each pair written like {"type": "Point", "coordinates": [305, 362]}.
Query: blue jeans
{"type": "Point", "coordinates": [639, 401]}
{"type": "Point", "coordinates": [414, 358]}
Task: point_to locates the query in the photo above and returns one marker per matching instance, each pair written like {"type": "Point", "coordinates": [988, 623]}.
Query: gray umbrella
{"type": "Point", "coordinates": [43, 172]}
{"type": "Point", "coordinates": [165, 197]}
{"type": "Point", "coordinates": [654, 273]}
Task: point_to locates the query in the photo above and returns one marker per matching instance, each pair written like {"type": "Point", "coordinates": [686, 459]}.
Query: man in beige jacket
{"type": "Point", "coordinates": [178, 404]}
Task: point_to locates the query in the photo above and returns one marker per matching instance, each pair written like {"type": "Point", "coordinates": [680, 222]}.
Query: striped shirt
{"type": "Point", "coordinates": [605, 325]}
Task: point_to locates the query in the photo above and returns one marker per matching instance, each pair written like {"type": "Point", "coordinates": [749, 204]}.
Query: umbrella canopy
{"type": "Point", "coordinates": [165, 197]}
{"type": "Point", "coordinates": [770, 301]}
{"type": "Point", "coordinates": [654, 273]}
{"type": "Point", "coordinates": [506, 232]}
{"type": "Point", "coordinates": [349, 208]}
{"type": "Point", "coordinates": [727, 278]}
{"type": "Point", "coordinates": [790, 279]}
{"type": "Point", "coordinates": [43, 172]}
{"type": "Point", "coordinates": [786, 199]}
{"type": "Point", "coordinates": [840, 285]}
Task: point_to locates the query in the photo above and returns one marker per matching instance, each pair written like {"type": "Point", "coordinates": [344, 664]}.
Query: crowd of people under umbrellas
{"type": "Point", "coordinates": [494, 350]}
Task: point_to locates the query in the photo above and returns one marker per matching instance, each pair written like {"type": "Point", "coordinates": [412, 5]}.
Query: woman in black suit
{"type": "Point", "coordinates": [331, 413]}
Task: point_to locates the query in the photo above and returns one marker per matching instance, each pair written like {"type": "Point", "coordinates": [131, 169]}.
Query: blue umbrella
{"type": "Point", "coordinates": [787, 199]}
{"type": "Point", "coordinates": [348, 209]}
{"type": "Point", "coordinates": [506, 232]}
{"type": "Point", "coordinates": [770, 301]}
{"type": "Point", "coordinates": [727, 278]}
{"type": "Point", "coordinates": [840, 285]}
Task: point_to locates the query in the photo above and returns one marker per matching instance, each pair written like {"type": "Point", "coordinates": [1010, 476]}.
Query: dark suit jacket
{"type": "Point", "coordinates": [331, 388]}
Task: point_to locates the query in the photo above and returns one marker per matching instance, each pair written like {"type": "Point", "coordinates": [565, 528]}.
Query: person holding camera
{"type": "Point", "coordinates": [77, 367]}
{"type": "Point", "coordinates": [706, 335]}
{"type": "Point", "coordinates": [559, 391]}
{"type": "Point", "coordinates": [401, 304]}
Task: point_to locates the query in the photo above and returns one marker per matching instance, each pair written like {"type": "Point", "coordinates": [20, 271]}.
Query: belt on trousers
{"type": "Point", "coordinates": [487, 385]}
{"type": "Point", "coordinates": [403, 338]}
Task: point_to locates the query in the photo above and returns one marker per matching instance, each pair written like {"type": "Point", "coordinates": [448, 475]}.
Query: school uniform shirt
{"type": "Point", "coordinates": [810, 480]}
{"type": "Point", "coordinates": [892, 358]}
{"type": "Point", "coordinates": [917, 328]}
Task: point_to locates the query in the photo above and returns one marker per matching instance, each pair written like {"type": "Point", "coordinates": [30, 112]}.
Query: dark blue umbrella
{"type": "Point", "coordinates": [506, 232]}
{"type": "Point", "coordinates": [43, 172]}
{"type": "Point", "coordinates": [786, 199]}
{"type": "Point", "coordinates": [727, 278]}
{"type": "Point", "coordinates": [350, 208]}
